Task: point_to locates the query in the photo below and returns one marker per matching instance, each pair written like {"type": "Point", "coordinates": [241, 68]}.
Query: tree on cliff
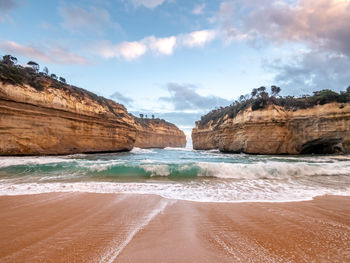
{"type": "Point", "coordinates": [9, 60]}
{"type": "Point", "coordinates": [262, 99]}
{"type": "Point", "coordinates": [34, 65]}
{"type": "Point", "coordinates": [275, 90]}
{"type": "Point", "coordinates": [141, 116]}
{"type": "Point", "coordinates": [63, 80]}
{"type": "Point", "coordinates": [254, 92]}
{"type": "Point", "coordinates": [53, 76]}
{"type": "Point", "coordinates": [46, 71]}
{"type": "Point", "coordinates": [261, 89]}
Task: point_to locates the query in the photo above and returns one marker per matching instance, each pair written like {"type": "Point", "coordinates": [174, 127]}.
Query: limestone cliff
{"type": "Point", "coordinates": [42, 116]}
{"type": "Point", "coordinates": [155, 133]}
{"type": "Point", "coordinates": [276, 130]}
{"type": "Point", "coordinates": [60, 119]}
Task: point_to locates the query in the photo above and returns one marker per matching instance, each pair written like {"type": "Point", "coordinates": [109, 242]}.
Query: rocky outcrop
{"type": "Point", "coordinates": [155, 133]}
{"type": "Point", "coordinates": [276, 130]}
{"type": "Point", "coordinates": [61, 119]}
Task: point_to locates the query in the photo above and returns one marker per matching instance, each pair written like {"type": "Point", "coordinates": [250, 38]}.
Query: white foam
{"type": "Point", "coordinates": [272, 170]}
{"type": "Point", "coordinates": [100, 165]}
{"type": "Point", "coordinates": [157, 170]}
{"type": "Point", "coordinates": [212, 151]}
{"type": "Point", "coordinates": [140, 151]}
{"type": "Point", "coordinates": [148, 161]}
{"type": "Point", "coordinates": [12, 161]}
{"type": "Point", "coordinates": [251, 191]}
{"type": "Point", "coordinates": [178, 149]}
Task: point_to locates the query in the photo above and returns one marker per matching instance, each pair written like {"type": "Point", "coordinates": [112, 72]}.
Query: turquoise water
{"type": "Point", "coordinates": [205, 176]}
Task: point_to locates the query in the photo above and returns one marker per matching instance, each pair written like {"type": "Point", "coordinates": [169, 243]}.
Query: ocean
{"type": "Point", "coordinates": [181, 174]}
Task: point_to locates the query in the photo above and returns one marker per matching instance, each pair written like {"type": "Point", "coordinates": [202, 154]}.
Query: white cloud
{"type": "Point", "coordinates": [131, 50]}
{"type": "Point", "coordinates": [164, 46]}
{"type": "Point", "coordinates": [127, 50]}
{"type": "Point", "coordinates": [148, 3]}
{"type": "Point", "coordinates": [198, 9]}
{"type": "Point", "coordinates": [55, 55]}
{"type": "Point", "coordinates": [198, 38]}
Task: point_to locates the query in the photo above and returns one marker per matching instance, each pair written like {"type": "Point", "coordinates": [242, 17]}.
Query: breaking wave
{"type": "Point", "coordinates": [151, 168]}
{"type": "Point", "coordinates": [180, 174]}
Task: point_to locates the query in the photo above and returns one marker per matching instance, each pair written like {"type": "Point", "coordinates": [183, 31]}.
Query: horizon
{"type": "Point", "coordinates": [180, 59]}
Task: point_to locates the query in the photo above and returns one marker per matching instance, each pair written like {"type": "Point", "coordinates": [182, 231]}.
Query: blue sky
{"type": "Point", "coordinates": [177, 58]}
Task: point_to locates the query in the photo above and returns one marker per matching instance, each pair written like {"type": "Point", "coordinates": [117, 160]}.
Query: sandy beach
{"type": "Point", "coordinates": [83, 227]}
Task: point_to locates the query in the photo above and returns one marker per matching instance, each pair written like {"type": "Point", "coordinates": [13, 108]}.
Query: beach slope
{"type": "Point", "coordinates": [82, 227]}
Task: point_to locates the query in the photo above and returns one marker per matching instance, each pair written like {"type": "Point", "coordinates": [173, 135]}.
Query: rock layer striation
{"type": "Point", "coordinates": [276, 130]}
{"type": "Point", "coordinates": [155, 133]}
{"type": "Point", "coordinates": [62, 120]}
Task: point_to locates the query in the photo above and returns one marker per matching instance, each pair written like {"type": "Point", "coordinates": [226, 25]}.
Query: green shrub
{"type": "Point", "coordinates": [260, 99]}
{"type": "Point", "coordinates": [259, 103]}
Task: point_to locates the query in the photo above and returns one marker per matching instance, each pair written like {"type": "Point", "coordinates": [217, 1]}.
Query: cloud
{"type": "Point", "coordinates": [320, 23]}
{"type": "Point", "coordinates": [76, 18]}
{"type": "Point", "coordinates": [54, 55]}
{"type": "Point", "coordinates": [148, 3]}
{"type": "Point", "coordinates": [165, 46]}
{"type": "Point", "coordinates": [198, 38]}
{"type": "Point", "coordinates": [185, 97]}
{"type": "Point", "coordinates": [320, 26]}
{"type": "Point", "coordinates": [312, 71]}
{"type": "Point", "coordinates": [121, 98]}
{"type": "Point", "coordinates": [229, 22]}
{"type": "Point", "coordinates": [7, 5]}
{"type": "Point", "coordinates": [127, 50]}
{"type": "Point", "coordinates": [198, 9]}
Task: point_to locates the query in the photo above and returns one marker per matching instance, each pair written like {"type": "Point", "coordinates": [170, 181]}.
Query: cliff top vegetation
{"type": "Point", "coordinates": [11, 73]}
{"type": "Point", "coordinates": [261, 98]}
{"type": "Point", "coordinates": [145, 122]}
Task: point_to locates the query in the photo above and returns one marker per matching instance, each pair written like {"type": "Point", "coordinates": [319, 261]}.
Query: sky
{"type": "Point", "coordinates": [179, 59]}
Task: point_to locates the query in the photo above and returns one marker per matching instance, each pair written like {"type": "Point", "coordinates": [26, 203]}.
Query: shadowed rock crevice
{"type": "Point", "coordinates": [323, 146]}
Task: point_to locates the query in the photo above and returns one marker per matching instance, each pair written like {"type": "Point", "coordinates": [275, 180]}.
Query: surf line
{"type": "Point", "coordinates": [112, 254]}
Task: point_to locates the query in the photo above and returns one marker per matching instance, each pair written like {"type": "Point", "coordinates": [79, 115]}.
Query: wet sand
{"type": "Point", "coordinates": [82, 227]}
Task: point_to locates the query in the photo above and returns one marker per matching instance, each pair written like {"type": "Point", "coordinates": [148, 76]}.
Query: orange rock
{"type": "Point", "coordinates": [62, 120]}
{"type": "Point", "coordinates": [276, 130]}
{"type": "Point", "coordinates": [66, 120]}
{"type": "Point", "coordinates": [154, 133]}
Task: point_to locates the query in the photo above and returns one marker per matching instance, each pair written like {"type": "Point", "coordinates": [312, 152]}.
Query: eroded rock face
{"type": "Point", "coordinates": [275, 130]}
{"type": "Point", "coordinates": [61, 120]}
{"type": "Point", "coordinates": [154, 133]}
